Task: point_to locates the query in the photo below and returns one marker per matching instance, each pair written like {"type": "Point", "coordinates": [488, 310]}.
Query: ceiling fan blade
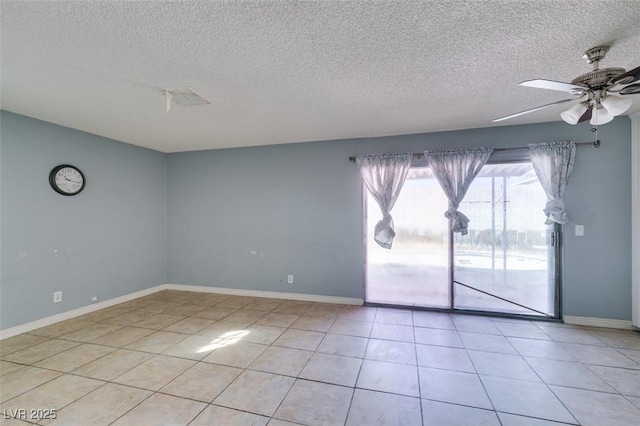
{"type": "Point", "coordinates": [632, 89]}
{"type": "Point", "coordinates": [587, 114]}
{"type": "Point", "coordinates": [555, 85]}
{"type": "Point", "coordinates": [518, 114]}
{"type": "Point", "coordinates": [627, 77]}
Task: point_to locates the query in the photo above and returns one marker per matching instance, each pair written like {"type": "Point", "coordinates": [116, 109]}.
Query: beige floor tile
{"type": "Point", "coordinates": [100, 407]}
{"type": "Point", "coordinates": [240, 354]}
{"type": "Point", "coordinates": [337, 370]}
{"type": "Point", "coordinates": [313, 323]}
{"type": "Point", "coordinates": [55, 394]}
{"type": "Point", "coordinates": [300, 339]}
{"type": "Point", "coordinates": [358, 313]}
{"type": "Point", "coordinates": [215, 313]}
{"type": "Point", "coordinates": [265, 305]}
{"type": "Point", "coordinates": [256, 392]}
{"type": "Point", "coordinates": [285, 361]}
{"type": "Point", "coordinates": [158, 321]}
{"type": "Point", "coordinates": [445, 358]}
{"type": "Point", "coordinates": [162, 410]}
{"type": "Point", "coordinates": [20, 381]}
{"type": "Point", "coordinates": [194, 347]}
{"type": "Point", "coordinates": [515, 420]}
{"type": "Point", "coordinates": [625, 381]}
{"type": "Point", "coordinates": [190, 325]}
{"type": "Point", "coordinates": [487, 343]}
{"type": "Point", "coordinates": [19, 342]}
{"type": "Point", "coordinates": [278, 320]}
{"type": "Point", "coordinates": [215, 415]}
{"type": "Point", "coordinates": [502, 365]}
{"type": "Point", "coordinates": [234, 302]}
{"type": "Point", "coordinates": [61, 328]}
{"type": "Point", "coordinates": [202, 382]}
{"type": "Point", "coordinates": [391, 351]}
{"type": "Point", "coordinates": [323, 310]}
{"type": "Point", "coordinates": [224, 329]}
{"type": "Point", "coordinates": [129, 318]}
{"type": "Point", "coordinates": [157, 342]}
{"type": "Point", "coordinates": [394, 316]}
{"type": "Point", "coordinates": [7, 367]}
{"type": "Point", "coordinates": [453, 386]}
{"type": "Point", "coordinates": [403, 333]}
{"type": "Point", "coordinates": [245, 316]}
{"type": "Point", "coordinates": [336, 344]}
{"type": "Point", "coordinates": [74, 357]}
{"type": "Point", "coordinates": [570, 374]}
{"type": "Point", "coordinates": [113, 365]}
{"type": "Point", "coordinates": [525, 398]}
{"type": "Point", "coordinates": [186, 310]}
{"type": "Point", "coordinates": [313, 403]}
{"type": "Point", "coordinates": [433, 320]}
{"type": "Point", "coordinates": [442, 414]}
{"type": "Point", "coordinates": [596, 408]}
{"type": "Point", "coordinates": [378, 408]}
{"type": "Point", "coordinates": [438, 337]}
{"type": "Point", "coordinates": [92, 332]}
{"type": "Point", "coordinates": [351, 328]}
{"type": "Point", "coordinates": [388, 377]}
{"type": "Point", "coordinates": [123, 337]}
{"type": "Point", "coordinates": [38, 352]}
{"type": "Point", "coordinates": [293, 307]}
{"type": "Point", "coordinates": [155, 373]}
{"type": "Point", "coordinates": [263, 334]}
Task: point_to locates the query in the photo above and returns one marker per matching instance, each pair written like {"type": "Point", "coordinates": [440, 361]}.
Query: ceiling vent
{"type": "Point", "coordinates": [184, 96]}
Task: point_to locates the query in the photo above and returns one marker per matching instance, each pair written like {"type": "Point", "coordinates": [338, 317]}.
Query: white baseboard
{"type": "Point", "coordinates": [43, 322]}
{"type": "Point", "coordinates": [267, 294]}
{"type": "Point", "coordinates": [599, 322]}
{"type": "Point", "coordinates": [29, 326]}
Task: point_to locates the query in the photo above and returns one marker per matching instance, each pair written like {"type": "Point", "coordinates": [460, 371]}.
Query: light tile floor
{"type": "Point", "coordinates": [204, 359]}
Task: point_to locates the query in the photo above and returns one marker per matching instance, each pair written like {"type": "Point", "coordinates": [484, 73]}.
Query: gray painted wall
{"type": "Point", "coordinates": [108, 241]}
{"type": "Point", "coordinates": [246, 218]}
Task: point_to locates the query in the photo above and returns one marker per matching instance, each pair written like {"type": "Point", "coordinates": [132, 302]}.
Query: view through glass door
{"type": "Point", "coordinates": [504, 264]}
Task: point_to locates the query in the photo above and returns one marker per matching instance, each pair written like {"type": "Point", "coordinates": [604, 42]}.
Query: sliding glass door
{"type": "Point", "coordinates": [507, 263]}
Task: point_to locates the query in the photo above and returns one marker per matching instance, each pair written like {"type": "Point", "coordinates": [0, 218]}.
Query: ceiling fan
{"type": "Point", "coordinates": [597, 91]}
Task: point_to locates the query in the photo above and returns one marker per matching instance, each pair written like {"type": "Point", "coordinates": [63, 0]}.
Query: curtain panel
{"type": "Point", "coordinates": [553, 164]}
{"type": "Point", "coordinates": [384, 176]}
{"type": "Point", "coordinates": [455, 169]}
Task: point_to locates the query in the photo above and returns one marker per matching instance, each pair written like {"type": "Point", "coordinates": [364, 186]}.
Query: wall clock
{"type": "Point", "coordinates": [67, 180]}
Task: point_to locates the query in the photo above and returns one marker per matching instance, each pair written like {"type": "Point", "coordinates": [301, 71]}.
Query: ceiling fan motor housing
{"type": "Point", "coordinates": [598, 79]}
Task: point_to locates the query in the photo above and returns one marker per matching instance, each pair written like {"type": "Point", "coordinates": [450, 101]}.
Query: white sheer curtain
{"type": "Point", "coordinates": [384, 176]}
{"type": "Point", "coordinates": [455, 170]}
{"type": "Point", "coordinates": [553, 163]}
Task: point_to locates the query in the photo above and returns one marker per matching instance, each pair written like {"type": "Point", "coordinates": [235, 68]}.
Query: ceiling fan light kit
{"type": "Point", "coordinates": [594, 89]}
{"type": "Point", "coordinates": [573, 114]}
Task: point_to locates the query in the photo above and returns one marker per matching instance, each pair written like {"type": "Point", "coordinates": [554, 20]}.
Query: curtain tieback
{"type": "Point", "coordinates": [383, 232]}
{"type": "Point", "coordinates": [555, 211]}
{"type": "Point", "coordinates": [460, 220]}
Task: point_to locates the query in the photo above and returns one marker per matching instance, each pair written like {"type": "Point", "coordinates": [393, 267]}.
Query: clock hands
{"type": "Point", "coordinates": [66, 178]}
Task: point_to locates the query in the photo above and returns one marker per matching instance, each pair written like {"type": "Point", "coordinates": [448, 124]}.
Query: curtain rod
{"type": "Point", "coordinates": [596, 144]}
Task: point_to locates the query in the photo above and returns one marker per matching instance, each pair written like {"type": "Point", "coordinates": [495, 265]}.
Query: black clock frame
{"type": "Point", "coordinates": [52, 180]}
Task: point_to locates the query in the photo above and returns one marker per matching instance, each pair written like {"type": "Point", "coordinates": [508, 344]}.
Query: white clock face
{"type": "Point", "coordinates": [68, 180]}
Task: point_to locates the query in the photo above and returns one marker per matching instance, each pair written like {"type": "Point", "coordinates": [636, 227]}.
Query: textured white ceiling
{"type": "Point", "coordinates": [290, 71]}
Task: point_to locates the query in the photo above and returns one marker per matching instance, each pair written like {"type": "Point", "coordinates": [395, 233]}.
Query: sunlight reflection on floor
{"type": "Point", "coordinates": [226, 339]}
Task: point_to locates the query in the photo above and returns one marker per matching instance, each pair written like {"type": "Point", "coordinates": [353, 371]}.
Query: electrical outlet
{"type": "Point", "coordinates": [290, 279]}
{"type": "Point", "coordinates": [57, 297]}
{"type": "Point", "coordinates": [94, 299]}
{"type": "Point", "coordinates": [579, 230]}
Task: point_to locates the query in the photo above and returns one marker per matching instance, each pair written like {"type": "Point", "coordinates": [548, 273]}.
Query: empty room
{"type": "Point", "coordinates": [320, 213]}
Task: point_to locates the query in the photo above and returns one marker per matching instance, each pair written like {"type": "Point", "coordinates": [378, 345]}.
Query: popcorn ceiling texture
{"type": "Point", "coordinates": [286, 71]}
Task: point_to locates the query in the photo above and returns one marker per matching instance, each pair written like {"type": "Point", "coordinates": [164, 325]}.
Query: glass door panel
{"type": "Point", "coordinates": [504, 263]}
{"type": "Point", "coordinates": [415, 272]}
